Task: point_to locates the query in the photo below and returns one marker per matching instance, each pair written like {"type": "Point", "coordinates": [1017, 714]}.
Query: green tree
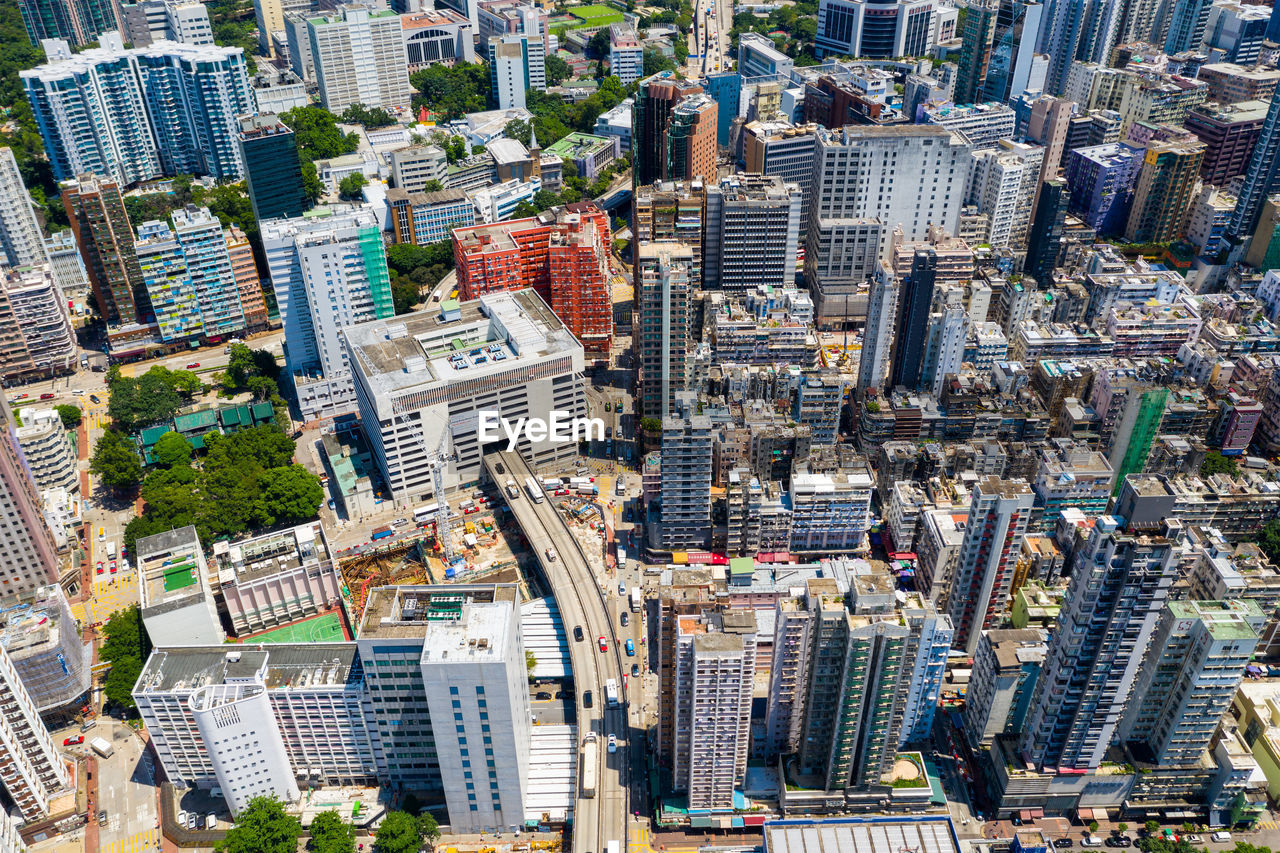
{"type": "Point", "coordinates": [1122, 828]}
{"type": "Point", "coordinates": [598, 44]}
{"type": "Point", "coordinates": [428, 828]}
{"type": "Point", "coordinates": [262, 827]}
{"type": "Point", "coordinates": [432, 186]}
{"type": "Point", "coordinates": [330, 834]}
{"type": "Point", "coordinates": [399, 832]}
{"type": "Point", "coordinates": [1269, 540]}
{"type": "Point", "coordinates": [1152, 827]}
{"type": "Point", "coordinates": [115, 462]}
{"type": "Point", "coordinates": [530, 662]}
{"type": "Point", "coordinates": [519, 130]}
{"type": "Point", "coordinates": [655, 62]}
{"type": "Point", "coordinates": [452, 92]}
{"type": "Point", "coordinates": [172, 449]}
{"type": "Point", "coordinates": [1093, 826]}
{"type": "Point", "coordinates": [557, 70]}
{"type": "Point", "coordinates": [317, 133]}
{"type": "Point", "coordinates": [125, 646]}
{"type": "Point", "coordinates": [293, 494]}
{"type": "Point", "coordinates": [370, 118]}
{"type": "Point", "coordinates": [1215, 463]}
{"type": "Point", "coordinates": [405, 293]}
{"type": "Point", "coordinates": [351, 185]}
{"type": "Point", "coordinates": [70, 415]}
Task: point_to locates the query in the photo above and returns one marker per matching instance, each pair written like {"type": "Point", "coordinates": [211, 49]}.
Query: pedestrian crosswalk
{"type": "Point", "coordinates": [1265, 824]}
{"type": "Point", "coordinates": [139, 842]}
{"type": "Point", "coordinates": [639, 839]}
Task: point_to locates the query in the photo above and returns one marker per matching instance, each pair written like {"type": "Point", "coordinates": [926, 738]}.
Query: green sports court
{"type": "Point", "coordinates": [325, 628]}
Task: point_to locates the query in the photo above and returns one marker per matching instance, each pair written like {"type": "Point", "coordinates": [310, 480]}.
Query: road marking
{"type": "Point", "coordinates": [139, 842]}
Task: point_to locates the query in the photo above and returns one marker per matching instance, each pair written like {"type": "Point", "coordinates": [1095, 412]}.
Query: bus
{"type": "Point", "coordinates": [611, 693]}
{"type": "Point", "coordinates": [588, 763]}
{"type": "Point", "coordinates": [535, 491]}
{"type": "Point", "coordinates": [425, 513]}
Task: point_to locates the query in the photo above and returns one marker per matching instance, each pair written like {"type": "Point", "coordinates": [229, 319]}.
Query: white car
{"type": "Point", "coordinates": [551, 555]}
{"type": "Point", "coordinates": [613, 743]}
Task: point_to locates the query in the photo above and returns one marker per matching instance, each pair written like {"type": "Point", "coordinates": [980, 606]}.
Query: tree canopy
{"type": "Point", "coordinates": [115, 461]}
{"type": "Point", "coordinates": [330, 834]}
{"type": "Point", "coordinates": [371, 118]}
{"type": "Point", "coordinates": [317, 133]}
{"type": "Point", "coordinates": [452, 91]}
{"type": "Point", "coordinates": [262, 827]}
{"type": "Point", "coordinates": [351, 185]}
{"type": "Point", "coordinates": [154, 396]}
{"type": "Point", "coordinates": [171, 449]}
{"type": "Point", "coordinates": [399, 832]}
{"type": "Point", "coordinates": [246, 480]}
{"type": "Point", "coordinates": [413, 268]}
{"type": "Point", "coordinates": [1215, 463]}
{"type": "Point", "coordinates": [70, 415]}
{"type": "Point", "coordinates": [557, 70]}
{"type": "Point", "coordinates": [125, 646]}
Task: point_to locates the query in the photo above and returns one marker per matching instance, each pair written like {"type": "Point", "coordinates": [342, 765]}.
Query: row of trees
{"type": "Point", "coordinates": [265, 827]}
{"type": "Point", "coordinates": [152, 397]}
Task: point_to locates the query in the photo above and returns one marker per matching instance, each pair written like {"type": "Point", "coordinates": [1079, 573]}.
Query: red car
{"type": "Point", "coordinates": [47, 396]}
{"type": "Point", "coordinates": [470, 510]}
{"type": "Point", "coordinates": [73, 740]}
{"type": "Point", "coordinates": [22, 396]}
{"type": "Point", "coordinates": [561, 492]}
{"type": "Point", "coordinates": [604, 645]}
{"type": "Point", "coordinates": [113, 567]}
{"type": "Point", "coordinates": [99, 567]}
{"type": "Point", "coordinates": [193, 365]}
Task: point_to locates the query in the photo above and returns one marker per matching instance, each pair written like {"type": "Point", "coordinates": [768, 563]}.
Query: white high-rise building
{"type": "Point", "coordinates": [21, 242]}
{"type": "Point", "coordinates": [999, 512]}
{"type": "Point", "coordinates": [28, 559]}
{"type": "Point", "coordinates": [31, 770]}
{"type": "Point", "coordinates": [477, 687]}
{"type": "Point", "coordinates": [238, 726]}
{"type": "Point", "coordinates": [517, 63]}
{"type": "Point", "coordinates": [948, 333]}
{"type": "Point", "coordinates": [715, 663]}
{"type": "Point", "coordinates": [626, 54]}
{"type": "Point", "coordinates": [68, 268]}
{"type": "Point", "coordinates": [877, 336]}
{"type": "Point", "coordinates": [47, 449]}
{"type": "Point", "coordinates": [1119, 586]}
{"type": "Point", "coordinates": [1002, 185]}
{"type": "Point", "coordinates": [131, 115]}
{"type": "Point", "coordinates": [173, 589]}
{"type": "Point", "coordinates": [1196, 661]}
{"type": "Point", "coordinates": [38, 339]}
{"type": "Point", "coordinates": [878, 29]}
{"type": "Point", "coordinates": [416, 393]}
{"type": "Point", "coordinates": [328, 273]}
{"type": "Point", "coordinates": [359, 58]}
{"type": "Point", "coordinates": [150, 21]}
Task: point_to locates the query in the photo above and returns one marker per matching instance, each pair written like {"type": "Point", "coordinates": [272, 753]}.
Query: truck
{"type": "Point", "coordinates": [611, 693]}
{"type": "Point", "coordinates": [513, 491]}
{"type": "Point", "coordinates": [102, 746]}
{"type": "Point", "coordinates": [589, 489]}
{"type": "Point", "coordinates": [635, 599]}
{"type": "Point", "coordinates": [587, 764]}
{"type": "Point", "coordinates": [622, 558]}
{"type": "Point", "coordinates": [381, 533]}
{"type": "Point", "coordinates": [535, 491]}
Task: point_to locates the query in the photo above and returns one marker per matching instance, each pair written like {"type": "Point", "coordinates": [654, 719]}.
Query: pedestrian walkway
{"type": "Point", "coordinates": [139, 842]}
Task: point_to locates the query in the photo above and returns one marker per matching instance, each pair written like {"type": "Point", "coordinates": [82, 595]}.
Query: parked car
{"type": "Point", "coordinates": [73, 740]}
{"type": "Point", "coordinates": [1221, 836]}
{"type": "Point", "coordinates": [100, 567]}
{"type": "Point", "coordinates": [542, 696]}
{"type": "Point", "coordinates": [613, 743]}
{"type": "Point", "coordinates": [1193, 839]}
{"type": "Point", "coordinates": [93, 398]}
{"type": "Point", "coordinates": [1064, 843]}
{"type": "Point", "coordinates": [102, 817]}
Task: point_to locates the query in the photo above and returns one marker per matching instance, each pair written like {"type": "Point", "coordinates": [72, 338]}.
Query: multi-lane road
{"type": "Point", "coordinates": [584, 603]}
{"type": "Point", "coordinates": [709, 38]}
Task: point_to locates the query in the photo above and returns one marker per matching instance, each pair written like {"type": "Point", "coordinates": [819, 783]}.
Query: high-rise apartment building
{"type": "Point", "coordinates": [686, 476]}
{"type": "Point", "coordinates": [1014, 66]}
{"type": "Point", "coordinates": [877, 339]}
{"type": "Point", "coordinates": [98, 218]}
{"type": "Point", "coordinates": [626, 54]}
{"type": "Point", "coordinates": [915, 300]}
{"type": "Point", "coordinates": [47, 449]}
{"type": "Point", "coordinates": [1003, 186]}
{"type": "Point", "coordinates": [661, 326]}
{"type": "Point", "coordinates": [563, 254]}
{"type": "Point", "coordinates": [1229, 133]}
{"type": "Point", "coordinates": [653, 122]}
{"type": "Point", "coordinates": [715, 664]}
{"type": "Point", "coordinates": [975, 51]}
{"type": "Point", "coordinates": [150, 21]}
{"type": "Point", "coordinates": [78, 22]}
{"type": "Point", "coordinates": [273, 170]}
{"type": "Point", "coordinates": [1119, 585]}
{"type": "Point", "coordinates": [21, 243]}
{"type": "Point", "coordinates": [245, 271]}
{"type": "Point", "coordinates": [1195, 662]}
{"type": "Point", "coordinates": [1044, 241]}
{"type": "Point", "coordinates": [136, 114]}
{"type": "Point", "coordinates": [1261, 176]}
{"type": "Point", "coordinates": [45, 647]}
{"type": "Point", "coordinates": [359, 58]}
{"type": "Point", "coordinates": [237, 724]}
{"type": "Point", "coordinates": [878, 29]}
{"type": "Point", "coordinates": [667, 211]}
{"type": "Point", "coordinates": [28, 559]}
{"type": "Point", "coordinates": [190, 281]}
{"type": "Point", "coordinates": [517, 64]}
{"type": "Point", "coordinates": [1005, 670]}
{"type": "Point", "coordinates": [31, 770]}
{"type": "Point", "coordinates": [36, 339]}
{"type": "Point", "coordinates": [999, 512]}
{"type": "Point", "coordinates": [778, 148]}
{"type": "Point", "coordinates": [1168, 178]}
{"type": "Point", "coordinates": [1135, 430]}
{"type": "Point", "coordinates": [328, 273]}
{"type": "Point", "coordinates": [271, 17]}
{"type": "Point", "coordinates": [1083, 30]}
